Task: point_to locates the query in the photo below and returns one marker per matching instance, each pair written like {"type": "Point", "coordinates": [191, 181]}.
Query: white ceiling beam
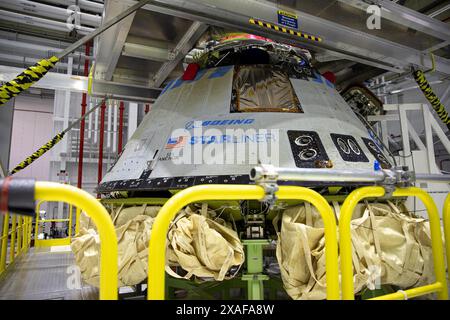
{"type": "Point", "coordinates": [186, 43]}
{"type": "Point", "coordinates": [337, 38]}
{"type": "Point", "coordinates": [407, 17]}
{"type": "Point", "coordinates": [60, 81]}
{"type": "Point", "coordinates": [111, 42]}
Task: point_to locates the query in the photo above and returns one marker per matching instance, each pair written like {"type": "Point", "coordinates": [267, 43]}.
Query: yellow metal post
{"type": "Point", "coordinates": [436, 236]}
{"type": "Point", "coordinates": [345, 245]}
{"type": "Point", "coordinates": [27, 238]}
{"type": "Point", "coordinates": [36, 223]}
{"type": "Point", "coordinates": [70, 222]}
{"type": "Point", "coordinates": [411, 293]}
{"type": "Point", "coordinates": [345, 241]}
{"type": "Point", "coordinates": [31, 231]}
{"type": "Point", "coordinates": [24, 234]}
{"type": "Point", "coordinates": [48, 242]}
{"type": "Point", "coordinates": [446, 220]}
{"type": "Point", "coordinates": [19, 234]}
{"type": "Point", "coordinates": [12, 245]}
{"type": "Point", "coordinates": [157, 245]}
{"type": "Point", "coordinates": [50, 191]}
{"type": "Point", "coordinates": [77, 220]}
{"type": "Point", "coordinates": [5, 236]}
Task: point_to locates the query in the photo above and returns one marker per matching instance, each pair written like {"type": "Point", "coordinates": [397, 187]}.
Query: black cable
{"type": "Point", "coordinates": [376, 136]}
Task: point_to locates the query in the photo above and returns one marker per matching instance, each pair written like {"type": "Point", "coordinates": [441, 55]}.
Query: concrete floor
{"type": "Point", "coordinates": [45, 274]}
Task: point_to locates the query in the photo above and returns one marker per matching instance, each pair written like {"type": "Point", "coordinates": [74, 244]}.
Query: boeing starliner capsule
{"type": "Point", "coordinates": [250, 101]}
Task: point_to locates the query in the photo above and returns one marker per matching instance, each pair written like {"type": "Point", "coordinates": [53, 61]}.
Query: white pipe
{"type": "Point", "coordinates": [84, 4]}
{"type": "Point", "coordinates": [41, 23]}
{"type": "Point", "coordinates": [48, 11]}
{"type": "Point", "coordinates": [30, 61]}
{"type": "Point", "coordinates": [66, 115]}
{"type": "Point", "coordinates": [433, 177]}
{"type": "Point", "coordinates": [109, 125]}
{"type": "Point", "coordinates": [439, 11]}
{"type": "Point", "coordinates": [114, 144]}
{"type": "Point", "coordinates": [326, 175]}
{"type": "Point", "coordinates": [13, 45]}
{"type": "Point", "coordinates": [132, 118]}
{"type": "Point", "coordinates": [35, 40]}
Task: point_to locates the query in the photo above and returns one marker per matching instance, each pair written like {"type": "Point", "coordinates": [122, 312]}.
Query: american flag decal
{"type": "Point", "coordinates": [173, 143]}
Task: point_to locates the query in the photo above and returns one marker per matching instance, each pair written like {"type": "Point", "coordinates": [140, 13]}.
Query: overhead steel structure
{"type": "Point", "coordinates": [341, 39]}
{"type": "Point", "coordinates": [147, 48]}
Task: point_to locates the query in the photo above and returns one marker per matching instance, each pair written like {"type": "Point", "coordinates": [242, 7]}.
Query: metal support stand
{"type": "Point", "coordinates": [255, 263]}
{"type": "Point", "coordinates": [100, 147]}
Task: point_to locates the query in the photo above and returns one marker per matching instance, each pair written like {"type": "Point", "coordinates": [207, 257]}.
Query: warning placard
{"type": "Point", "coordinates": [288, 19]}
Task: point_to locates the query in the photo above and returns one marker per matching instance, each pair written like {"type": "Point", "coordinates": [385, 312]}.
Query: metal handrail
{"type": "Point", "coordinates": [20, 236]}
{"type": "Point", "coordinates": [446, 221]}
{"type": "Point", "coordinates": [50, 191]}
{"type": "Point", "coordinates": [345, 245]}
{"type": "Point", "coordinates": [5, 235]}
{"type": "Point", "coordinates": [157, 245]}
{"type": "Point", "coordinates": [52, 242]}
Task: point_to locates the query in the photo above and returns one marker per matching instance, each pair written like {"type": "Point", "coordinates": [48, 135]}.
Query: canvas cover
{"type": "Point", "coordinates": [389, 247]}
{"type": "Point", "coordinates": [202, 246]}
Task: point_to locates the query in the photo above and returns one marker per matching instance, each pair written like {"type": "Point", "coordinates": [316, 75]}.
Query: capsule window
{"type": "Point", "coordinates": [263, 88]}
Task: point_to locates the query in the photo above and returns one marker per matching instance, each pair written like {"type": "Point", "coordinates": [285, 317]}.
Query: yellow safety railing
{"type": "Point", "coordinates": [20, 236]}
{"type": "Point", "coordinates": [50, 191]}
{"type": "Point", "coordinates": [53, 242]}
{"type": "Point", "coordinates": [77, 220]}
{"type": "Point", "coordinates": [345, 245]}
{"type": "Point", "coordinates": [446, 221]}
{"type": "Point", "coordinates": [157, 245]}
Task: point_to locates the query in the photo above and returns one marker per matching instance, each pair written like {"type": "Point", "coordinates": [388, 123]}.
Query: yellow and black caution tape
{"type": "Point", "coordinates": [26, 79]}
{"type": "Point", "coordinates": [437, 105]}
{"type": "Point", "coordinates": [284, 30]}
{"type": "Point", "coordinates": [46, 147]}
{"type": "Point", "coordinates": [25, 163]}
{"type": "Point", "coordinates": [33, 74]}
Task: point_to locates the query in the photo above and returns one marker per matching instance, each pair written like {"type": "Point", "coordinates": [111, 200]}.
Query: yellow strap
{"type": "Point", "coordinates": [337, 209]}
{"type": "Point", "coordinates": [307, 253]}
{"type": "Point", "coordinates": [308, 214]}
{"type": "Point", "coordinates": [204, 211]}
{"type": "Point", "coordinates": [118, 213]}
{"type": "Point", "coordinates": [374, 233]}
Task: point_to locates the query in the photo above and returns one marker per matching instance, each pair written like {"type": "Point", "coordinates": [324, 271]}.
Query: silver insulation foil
{"type": "Point", "coordinates": [265, 88]}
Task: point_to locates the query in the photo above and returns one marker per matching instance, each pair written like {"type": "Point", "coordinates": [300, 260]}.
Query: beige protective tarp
{"type": "Point", "coordinates": [202, 246]}
{"type": "Point", "coordinates": [389, 247]}
{"type": "Point", "coordinates": [133, 227]}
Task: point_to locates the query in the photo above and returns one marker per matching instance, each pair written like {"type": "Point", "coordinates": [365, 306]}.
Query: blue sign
{"type": "Point", "coordinates": [288, 19]}
{"type": "Point", "coordinates": [207, 123]}
{"type": "Point", "coordinates": [226, 138]}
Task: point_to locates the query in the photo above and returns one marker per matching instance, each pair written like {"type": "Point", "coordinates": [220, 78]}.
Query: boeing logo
{"type": "Point", "coordinates": [208, 123]}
